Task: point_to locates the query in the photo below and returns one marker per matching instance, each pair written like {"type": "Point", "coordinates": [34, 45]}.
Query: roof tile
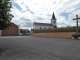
{"type": "Point", "coordinates": [43, 24]}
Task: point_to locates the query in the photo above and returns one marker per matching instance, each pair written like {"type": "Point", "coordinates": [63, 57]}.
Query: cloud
{"type": "Point", "coordinates": [40, 18]}
{"type": "Point", "coordinates": [30, 11]}
{"type": "Point", "coordinates": [24, 19]}
{"type": "Point", "coordinates": [26, 22]}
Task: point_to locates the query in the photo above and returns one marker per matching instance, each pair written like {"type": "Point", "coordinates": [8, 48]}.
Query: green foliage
{"type": "Point", "coordinates": [65, 29]}
{"type": "Point", "coordinates": [5, 15]}
{"type": "Point", "coordinates": [24, 32]}
{"type": "Point", "coordinates": [20, 30]}
{"type": "Point", "coordinates": [75, 35]}
{"type": "Point", "coordinates": [28, 31]}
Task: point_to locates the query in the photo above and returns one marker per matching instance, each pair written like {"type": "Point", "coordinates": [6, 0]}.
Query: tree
{"type": "Point", "coordinates": [5, 15]}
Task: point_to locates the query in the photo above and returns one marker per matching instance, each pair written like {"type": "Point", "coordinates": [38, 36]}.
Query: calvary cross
{"type": "Point", "coordinates": [77, 22]}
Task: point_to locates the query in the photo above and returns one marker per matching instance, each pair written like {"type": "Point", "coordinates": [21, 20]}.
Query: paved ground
{"type": "Point", "coordinates": [38, 48]}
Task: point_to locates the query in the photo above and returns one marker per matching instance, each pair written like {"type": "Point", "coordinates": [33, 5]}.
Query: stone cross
{"type": "Point", "coordinates": [77, 22]}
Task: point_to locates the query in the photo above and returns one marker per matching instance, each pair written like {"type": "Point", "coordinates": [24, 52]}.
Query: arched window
{"type": "Point", "coordinates": [54, 21]}
{"type": "Point", "coordinates": [51, 21]}
{"type": "Point", "coordinates": [44, 27]}
{"type": "Point", "coordinates": [40, 27]}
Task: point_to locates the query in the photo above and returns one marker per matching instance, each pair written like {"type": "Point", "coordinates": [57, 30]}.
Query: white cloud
{"type": "Point", "coordinates": [42, 9]}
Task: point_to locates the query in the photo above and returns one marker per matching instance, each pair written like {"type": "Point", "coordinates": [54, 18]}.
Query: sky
{"type": "Point", "coordinates": [26, 12]}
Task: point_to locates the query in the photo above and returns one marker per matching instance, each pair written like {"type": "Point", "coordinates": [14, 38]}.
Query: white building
{"type": "Point", "coordinates": [46, 25]}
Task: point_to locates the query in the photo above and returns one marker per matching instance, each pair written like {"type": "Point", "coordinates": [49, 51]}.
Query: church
{"type": "Point", "coordinates": [53, 24]}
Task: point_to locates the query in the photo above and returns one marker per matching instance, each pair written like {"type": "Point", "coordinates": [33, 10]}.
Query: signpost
{"type": "Point", "coordinates": [77, 22]}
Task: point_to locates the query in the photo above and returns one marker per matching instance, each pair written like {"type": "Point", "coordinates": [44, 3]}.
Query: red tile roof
{"type": "Point", "coordinates": [42, 24]}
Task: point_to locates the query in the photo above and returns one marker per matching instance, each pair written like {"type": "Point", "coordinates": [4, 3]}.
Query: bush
{"type": "Point", "coordinates": [75, 35]}
{"type": "Point", "coordinates": [65, 29]}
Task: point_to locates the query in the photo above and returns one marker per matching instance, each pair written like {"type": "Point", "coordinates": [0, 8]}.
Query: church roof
{"type": "Point", "coordinates": [42, 24]}
{"type": "Point", "coordinates": [53, 16]}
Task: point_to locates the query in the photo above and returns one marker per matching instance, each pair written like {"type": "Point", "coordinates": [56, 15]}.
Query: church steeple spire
{"type": "Point", "coordinates": [53, 16]}
{"type": "Point", "coordinates": [53, 20]}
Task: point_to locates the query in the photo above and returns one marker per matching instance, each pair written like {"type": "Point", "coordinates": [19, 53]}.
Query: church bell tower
{"type": "Point", "coordinates": [53, 20]}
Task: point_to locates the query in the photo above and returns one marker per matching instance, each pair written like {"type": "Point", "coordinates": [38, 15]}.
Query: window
{"type": "Point", "coordinates": [40, 27]}
{"type": "Point", "coordinates": [44, 27]}
{"type": "Point", "coordinates": [51, 21]}
{"type": "Point", "coordinates": [54, 21]}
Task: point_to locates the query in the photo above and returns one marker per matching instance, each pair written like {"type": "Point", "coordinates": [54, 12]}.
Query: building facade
{"type": "Point", "coordinates": [46, 25]}
{"type": "Point", "coordinates": [11, 31]}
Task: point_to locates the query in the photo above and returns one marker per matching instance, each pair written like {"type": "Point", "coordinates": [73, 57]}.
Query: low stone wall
{"type": "Point", "coordinates": [67, 35]}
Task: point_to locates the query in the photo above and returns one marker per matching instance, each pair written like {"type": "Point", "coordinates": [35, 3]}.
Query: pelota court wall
{"type": "Point", "coordinates": [11, 31]}
{"type": "Point", "coordinates": [67, 35]}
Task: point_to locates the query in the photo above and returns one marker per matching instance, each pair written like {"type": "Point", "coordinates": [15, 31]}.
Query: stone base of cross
{"type": "Point", "coordinates": [77, 22]}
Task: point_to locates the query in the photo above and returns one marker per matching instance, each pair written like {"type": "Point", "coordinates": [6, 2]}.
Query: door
{"type": "Point", "coordinates": [0, 32]}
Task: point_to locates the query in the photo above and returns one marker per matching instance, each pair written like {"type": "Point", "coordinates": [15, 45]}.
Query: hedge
{"type": "Point", "coordinates": [64, 29]}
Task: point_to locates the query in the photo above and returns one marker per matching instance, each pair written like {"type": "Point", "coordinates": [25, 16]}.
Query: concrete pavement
{"type": "Point", "coordinates": [38, 48]}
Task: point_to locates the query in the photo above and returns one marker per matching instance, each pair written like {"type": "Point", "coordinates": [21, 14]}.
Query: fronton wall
{"type": "Point", "coordinates": [67, 35]}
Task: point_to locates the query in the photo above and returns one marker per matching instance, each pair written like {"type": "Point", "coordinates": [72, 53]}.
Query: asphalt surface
{"type": "Point", "coordinates": [38, 48]}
